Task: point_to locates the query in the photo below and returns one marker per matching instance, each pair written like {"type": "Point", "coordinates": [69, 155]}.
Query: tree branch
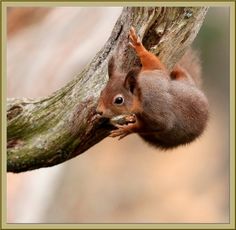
{"type": "Point", "coordinates": [47, 131]}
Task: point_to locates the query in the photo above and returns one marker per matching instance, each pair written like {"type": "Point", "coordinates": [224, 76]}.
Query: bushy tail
{"type": "Point", "coordinates": [191, 62]}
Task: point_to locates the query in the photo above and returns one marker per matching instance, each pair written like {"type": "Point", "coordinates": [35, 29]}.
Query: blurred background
{"type": "Point", "coordinates": [116, 181]}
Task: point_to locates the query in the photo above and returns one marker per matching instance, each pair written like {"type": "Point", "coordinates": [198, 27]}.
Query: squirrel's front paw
{"type": "Point", "coordinates": [122, 131]}
{"type": "Point", "coordinates": [134, 39]}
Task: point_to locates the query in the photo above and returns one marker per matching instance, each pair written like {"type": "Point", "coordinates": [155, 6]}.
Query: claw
{"type": "Point", "coordinates": [131, 44]}
{"type": "Point", "coordinates": [114, 134]}
{"type": "Point", "coordinates": [122, 136]}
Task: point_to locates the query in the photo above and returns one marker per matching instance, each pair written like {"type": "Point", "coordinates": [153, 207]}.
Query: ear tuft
{"type": "Point", "coordinates": [111, 67]}
{"type": "Point", "coordinates": [131, 79]}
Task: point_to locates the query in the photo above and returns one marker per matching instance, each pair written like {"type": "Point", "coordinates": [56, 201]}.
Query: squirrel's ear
{"type": "Point", "coordinates": [131, 79]}
{"type": "Point", "coordinates": [111, 67]}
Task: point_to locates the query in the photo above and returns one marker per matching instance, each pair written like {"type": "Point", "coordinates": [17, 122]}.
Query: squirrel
{"type": "Point", "coordinates": [165, 109]}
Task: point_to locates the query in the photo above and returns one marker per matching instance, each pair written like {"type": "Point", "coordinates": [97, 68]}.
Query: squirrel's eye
{"type": "Point", "coordinates": [119, 100]}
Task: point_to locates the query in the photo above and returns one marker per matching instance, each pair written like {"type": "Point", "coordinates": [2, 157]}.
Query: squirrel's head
{"type": "Point", "coordinates": [119, 94]}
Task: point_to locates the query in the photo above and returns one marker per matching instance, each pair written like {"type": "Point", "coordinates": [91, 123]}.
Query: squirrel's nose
{"type": "Point", "coordinates": [99, 112]}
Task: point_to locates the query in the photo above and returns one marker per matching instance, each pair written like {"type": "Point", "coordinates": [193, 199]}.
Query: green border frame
{"type": "Point", "coordinates": [5, 4]}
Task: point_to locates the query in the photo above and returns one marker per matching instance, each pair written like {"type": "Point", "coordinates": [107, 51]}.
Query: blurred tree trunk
{"type": "Point", "coordinates": [47, 131]}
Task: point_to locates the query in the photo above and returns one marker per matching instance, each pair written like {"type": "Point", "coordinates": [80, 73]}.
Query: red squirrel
{"type": "Point", "coordinates": [168, 109]}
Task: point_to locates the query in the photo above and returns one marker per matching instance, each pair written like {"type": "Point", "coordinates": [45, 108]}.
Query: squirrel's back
{"type": "Point", "coordinates": [178, 108]}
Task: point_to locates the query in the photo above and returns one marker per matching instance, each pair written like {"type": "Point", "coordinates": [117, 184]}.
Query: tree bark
{"type": "Point", "coordinates": [47, 131]}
